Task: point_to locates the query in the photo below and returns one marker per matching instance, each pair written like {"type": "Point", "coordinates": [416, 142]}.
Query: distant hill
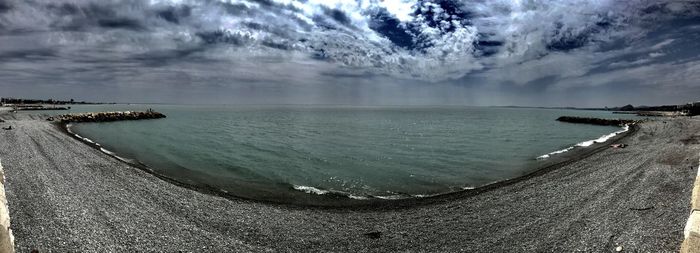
{"type": "Point", "coordinates": [689, 108]}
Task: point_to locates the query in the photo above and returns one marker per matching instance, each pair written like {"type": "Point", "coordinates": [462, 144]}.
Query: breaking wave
{"type": "Point", "coordinates": [587, 143]}
{"type": "Point", "coordinates": [391, 196]}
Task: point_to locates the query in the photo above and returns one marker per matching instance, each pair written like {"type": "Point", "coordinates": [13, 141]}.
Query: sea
{"type": "Point", "coordinates": [315, 154]}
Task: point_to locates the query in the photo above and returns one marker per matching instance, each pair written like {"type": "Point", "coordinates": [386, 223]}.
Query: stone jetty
{"type": "Point", "coordinates": [108, 116]}
{"type": "Point", "coordinates": [596, 121]}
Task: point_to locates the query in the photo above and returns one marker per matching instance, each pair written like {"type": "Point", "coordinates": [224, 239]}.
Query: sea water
{"type": "Point", "coordinates": [291, 153]}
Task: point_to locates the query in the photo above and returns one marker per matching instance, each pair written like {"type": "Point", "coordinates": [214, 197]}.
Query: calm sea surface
{"type": "Point", "coordinates": [291, 153]}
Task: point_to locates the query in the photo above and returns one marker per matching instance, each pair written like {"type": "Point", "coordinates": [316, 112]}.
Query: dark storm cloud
{"type": "Point", "coordinates": [174, 14]}
{"type": "Point", "coordinates": [27, 55]}
{"type": "Point", "coordinates": [169, 57]}
{"type": "Point", "coordinates": [4, 6]}
{"type": "Point", "coordinates": [337, 15]}
{"type": "Point", "coordinates": [391, 28]}
{"type": "Point", "coordinates": [543, 46]}
{"type": "Point", "coordinates": [125, 23]}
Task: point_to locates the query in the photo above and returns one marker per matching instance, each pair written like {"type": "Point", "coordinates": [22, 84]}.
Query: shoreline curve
{"type": "Point", "coordinates": [333, 200]}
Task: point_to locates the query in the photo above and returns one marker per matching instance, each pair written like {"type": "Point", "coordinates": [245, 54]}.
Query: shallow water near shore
{"type": "Point", "coordinates": [297, 154]}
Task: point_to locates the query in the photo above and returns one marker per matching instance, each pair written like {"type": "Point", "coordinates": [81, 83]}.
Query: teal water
{"type": "Point", "coordinates": [292, 153]}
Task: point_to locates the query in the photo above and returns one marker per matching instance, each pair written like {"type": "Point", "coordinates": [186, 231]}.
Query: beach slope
{"type": "Point", "coordinates": [67, 196]}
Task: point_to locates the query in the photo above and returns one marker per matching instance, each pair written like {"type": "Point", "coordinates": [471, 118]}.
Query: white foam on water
{"type": "Point", "coordinates": [106, 151]}
{"type": "Point", "coordinates": [426, 195]}
{"type": "Point", "coordinates": [310, 190]}
{"type": "Point", "coordinates": [555, 153]}
{"type": "Point", "coordinates": [317, 191]}
{"type": "Point", "coordinates": [68, 128]}
{"type": "Point", "coordinates": [587, 143]}
{"type": "Point", "coordinates": [87, 140]}
{"type": "Point", "coordinates": [357, 197]}
{"type": "Point", "coordinates": [390, 197]}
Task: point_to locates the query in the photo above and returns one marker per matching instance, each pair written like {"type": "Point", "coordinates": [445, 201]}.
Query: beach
{"type": "Point", "coordinates": [64, 195]}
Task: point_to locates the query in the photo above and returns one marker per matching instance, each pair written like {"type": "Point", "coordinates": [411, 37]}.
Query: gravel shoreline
{"type": "Point", "coordinates": [67, 196]}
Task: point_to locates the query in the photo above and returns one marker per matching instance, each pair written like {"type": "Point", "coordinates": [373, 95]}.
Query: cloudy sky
{"type": "Point", "coordinates": [466, 52]}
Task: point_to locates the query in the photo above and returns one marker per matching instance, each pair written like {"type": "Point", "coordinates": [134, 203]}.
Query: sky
{"type": "Point", "coordinates": [590, 53]}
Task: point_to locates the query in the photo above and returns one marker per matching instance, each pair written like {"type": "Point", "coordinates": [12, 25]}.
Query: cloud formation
{"type": "Point", "coordinates": [309, 42]}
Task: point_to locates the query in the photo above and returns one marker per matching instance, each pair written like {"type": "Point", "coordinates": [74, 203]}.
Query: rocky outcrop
{"type": "Point", "coordinates": [109, 116]}
{"type": "Point", "coordinates": [596, 121]}
{"type": "Point", "coordinates": [691, 241]}
{"type": "Point", "coordinates": [6, 239]}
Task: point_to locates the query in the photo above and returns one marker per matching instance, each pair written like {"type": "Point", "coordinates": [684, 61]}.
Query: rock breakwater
{"type": "Point", "coordinates": [109, 116]}
{"type": "Point", "coordinates": [597, 121]}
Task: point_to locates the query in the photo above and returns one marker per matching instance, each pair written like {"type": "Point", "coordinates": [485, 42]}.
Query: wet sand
{"type": "Point", "coordinates": [67, 196]}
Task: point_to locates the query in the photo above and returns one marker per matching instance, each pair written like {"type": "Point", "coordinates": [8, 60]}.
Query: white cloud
{"type": "Point", "coordinates": [623, 64]}
{"type": "Point", "coordinates": [662, 44]}
{"type": "Point", "coordinates": [402, 9]}
{"type": "Point", "coordinates": [656, 54]}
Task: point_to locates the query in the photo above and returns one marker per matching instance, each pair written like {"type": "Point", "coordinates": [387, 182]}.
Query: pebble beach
{"type": "Point", "coordinates": [64, 195]}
